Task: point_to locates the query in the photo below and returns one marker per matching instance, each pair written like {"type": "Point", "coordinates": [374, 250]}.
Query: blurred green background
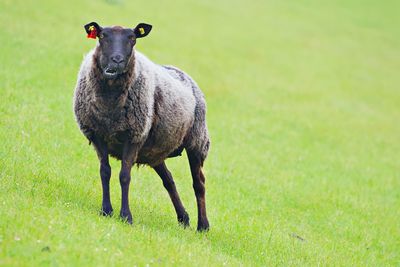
{"type": "Point", "coordinates": [303, 111]}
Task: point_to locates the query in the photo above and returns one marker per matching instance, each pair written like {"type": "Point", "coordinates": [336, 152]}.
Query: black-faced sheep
{"type": "Point", "coordinates": [140, 112]}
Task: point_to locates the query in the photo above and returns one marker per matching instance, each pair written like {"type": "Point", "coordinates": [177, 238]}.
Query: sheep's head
{"type": "Point", "coordinates": [115, 46]}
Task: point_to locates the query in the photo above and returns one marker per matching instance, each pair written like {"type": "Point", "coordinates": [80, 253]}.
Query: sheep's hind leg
{"type": "Point", "coordinates": [105, 174]}
{"type": "Point", "coordinates": [169, 184]}
{"type": "Point", "coordinates": [199, 189]}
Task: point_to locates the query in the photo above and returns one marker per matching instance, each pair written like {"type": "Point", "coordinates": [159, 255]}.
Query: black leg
{"type": "Point", "coordinates": [169, 184]}
{"type": "Point", "coordinates": [128, 159]}
{"type": "Point", "coordinates": [125, 179]}
{"type": "Point", "coordinates": [199, 190]}
{"type": "Point", "coordinates": [105, 174]}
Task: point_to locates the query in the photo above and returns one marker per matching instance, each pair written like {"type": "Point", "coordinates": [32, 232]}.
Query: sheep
{"type": "Point", "coordinates": [142, 113]}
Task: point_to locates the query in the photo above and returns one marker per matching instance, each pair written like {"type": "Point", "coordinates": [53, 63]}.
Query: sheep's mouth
{"type": "Point", "coordinates": [111, 73]}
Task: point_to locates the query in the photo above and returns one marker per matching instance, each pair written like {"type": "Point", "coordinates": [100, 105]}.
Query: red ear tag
{"type": "Point", "coordinates": [92, 32]}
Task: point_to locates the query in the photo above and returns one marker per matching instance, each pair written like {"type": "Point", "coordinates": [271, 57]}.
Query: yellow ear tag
{"type": "Point", "coordinates": [91, 28]}
{"type": "Point", "coordinates": [141, 30]}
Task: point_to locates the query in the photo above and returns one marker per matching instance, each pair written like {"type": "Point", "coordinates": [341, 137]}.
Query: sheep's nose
{"type": "Point", "coordinates": [117, 58]}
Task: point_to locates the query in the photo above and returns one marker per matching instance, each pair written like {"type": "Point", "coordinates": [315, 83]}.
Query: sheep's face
{"type": "Point", "coordinates": [115, 49]}
{"type": "Point", "coordinates": [115, 46]}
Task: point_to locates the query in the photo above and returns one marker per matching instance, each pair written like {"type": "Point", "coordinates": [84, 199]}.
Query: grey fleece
{"type": "Point", "coordinates": [159, 108]}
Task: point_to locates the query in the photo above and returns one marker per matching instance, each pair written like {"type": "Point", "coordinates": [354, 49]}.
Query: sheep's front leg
{"type": "Point", "coordinates": [105, 174]}
{"type": "Point", "coordinates": [129, 156]}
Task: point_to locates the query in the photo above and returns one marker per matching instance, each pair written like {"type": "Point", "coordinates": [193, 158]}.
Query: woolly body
{"type": "Point", "coordinates": [159, 108]}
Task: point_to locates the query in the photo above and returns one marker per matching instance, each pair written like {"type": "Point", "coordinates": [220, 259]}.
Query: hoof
{"type": "Point", "coordinates": [203, 226]}
{"type": "Point", "coordinates": [106, 211]}
{"type": "Point", "coordinates": [126, 216]}
{"type": "Point", "coordinates": [184, 220]}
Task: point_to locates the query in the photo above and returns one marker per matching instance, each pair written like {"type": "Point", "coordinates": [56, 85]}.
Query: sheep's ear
{"type": "Point", "coordinates": [92, 29]}
{"type": "Point", "coordinates": [142, 29]}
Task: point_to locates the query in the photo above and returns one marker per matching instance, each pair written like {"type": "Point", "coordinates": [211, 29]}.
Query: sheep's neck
{"type": "Point", "coordinates": [113, 92]}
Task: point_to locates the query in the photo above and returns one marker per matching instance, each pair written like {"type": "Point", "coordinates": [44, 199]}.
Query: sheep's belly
{"type": "Point", "coordinates": [148, 154]}
{"type": "Point", "coordinates": [156, 148]}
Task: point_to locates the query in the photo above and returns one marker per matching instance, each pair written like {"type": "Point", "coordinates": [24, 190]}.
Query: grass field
{"type": "Point", "coordinates": [303, 111]}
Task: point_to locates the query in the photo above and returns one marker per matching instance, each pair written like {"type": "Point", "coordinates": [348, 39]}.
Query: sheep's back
{"type": "Point", "coordinates": [174, 111]}
{"type": "Point", "coordinates": [197, 139]}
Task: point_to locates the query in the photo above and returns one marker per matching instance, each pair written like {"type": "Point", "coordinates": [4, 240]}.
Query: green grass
{"type": "Point", "coordinates": [303, 111]}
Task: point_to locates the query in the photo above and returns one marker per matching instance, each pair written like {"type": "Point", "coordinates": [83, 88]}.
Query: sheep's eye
{"type": "Point", "coordinates": [101, 36]}
{"type": "Point", "coordinates": [132, 37]}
